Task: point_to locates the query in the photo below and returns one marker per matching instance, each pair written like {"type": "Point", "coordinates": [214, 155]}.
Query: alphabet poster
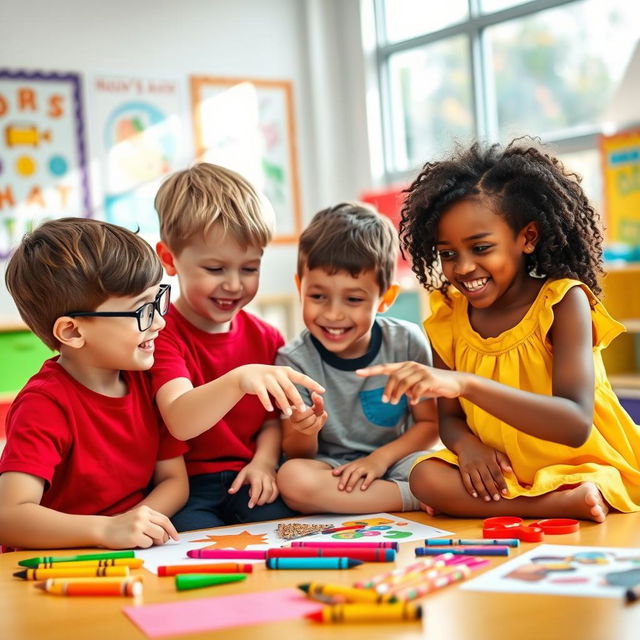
{"type": "Point", "coordinates": [43, 166]}
{"type": "Point", "coordinates": [262, 535]}
{"type": "Point", "coordinates": [139, 139]}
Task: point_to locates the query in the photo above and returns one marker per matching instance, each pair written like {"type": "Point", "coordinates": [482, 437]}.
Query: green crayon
{"type": "Point", "coordinates": [33, 563]}
{"type": "Point", "coordinates": [185, 581]}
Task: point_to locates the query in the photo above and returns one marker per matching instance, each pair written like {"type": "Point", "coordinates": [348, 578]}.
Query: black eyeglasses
{"type": "Point", "coordinates": [144, 314]}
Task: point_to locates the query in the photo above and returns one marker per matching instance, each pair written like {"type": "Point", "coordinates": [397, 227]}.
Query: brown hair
{"type": "Point", "coordinates": [190, 202]}
{"type": "Point", "coordinates": [350, 237]}
{"type": "Point", "coordinates": [75, 264]}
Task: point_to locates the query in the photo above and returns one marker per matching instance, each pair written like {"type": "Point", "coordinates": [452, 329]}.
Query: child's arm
{"type": "Point", "coordinates": [170, 486]}
{"type": "Point", "coordinates": [300, 438]}
{"type": "Point", "coordinates": [422, 435]}
{"type": "Point", "coordinates": [24, 522]}
{"type": "Point", "coordinates": [566, 417]}
{"type": "Point", "coordinates": [260, 473]}
{"type": "Point", "coordinates": [188, 411]}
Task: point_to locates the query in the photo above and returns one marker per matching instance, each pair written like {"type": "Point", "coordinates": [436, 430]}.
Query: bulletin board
{"type": "Point", "coordinates": [621, 172]}
{"type": "Point", "coordinates": [248, 126]}
{"type": "Point", "coordinates": [43, 165]}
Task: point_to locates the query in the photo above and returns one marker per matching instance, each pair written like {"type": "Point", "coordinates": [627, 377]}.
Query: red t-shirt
{"type": "Point", "coordinates": [97, 454]}
{"type": "Point", "coordinates": [184, 351]}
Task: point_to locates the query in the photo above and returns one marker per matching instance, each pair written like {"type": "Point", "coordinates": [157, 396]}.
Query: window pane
{"type": "Point", "coordinates": [557, 70]}
{"type": "Point", "coordinates": [406, 19]}
{"type": "Point", "coordinates": [588, 165]}
{"type": "Point", "coordinates": [489, 6]}
{"type": "Point", "coordinates": [431, 103]}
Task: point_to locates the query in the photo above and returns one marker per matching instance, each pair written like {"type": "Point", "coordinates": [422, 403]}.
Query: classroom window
{"type": "Point", "coordinates": [497, 69]}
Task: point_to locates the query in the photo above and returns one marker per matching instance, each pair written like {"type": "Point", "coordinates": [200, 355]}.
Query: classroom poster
{"type": "Point", "coordinates": [262, 535]}
{"type": "Point", "coordinates": [621, 173]}
{"type": "Point", "coordinates": [138, 138]}
{"type": "Point", "coordinates": [248, 125]}
{"type": "Point", "coordinates": [43, 166]}
{"type": "Point", "coordinates": [565, 570]}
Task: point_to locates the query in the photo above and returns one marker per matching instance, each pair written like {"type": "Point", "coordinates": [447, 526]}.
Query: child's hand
{"type": "Point", "coordinates": [366, 469]}
{"type": "Point", "coordinates": [139, 527]}
{"type": "Point", "coordinates": [312, 419]}
{"type": "Point", "coordinates": [262, 480]}
{"type": "Point", "coordinates": [416, 380]}
{"type": "Point", "coordinates": [482, 469]}
{"type": "Point", "coordinates": [262, 380]}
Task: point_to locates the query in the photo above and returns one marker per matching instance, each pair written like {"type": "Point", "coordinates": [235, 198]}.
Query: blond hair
{"type": "Point", "coordinates": [351, 237]}
{"type": "Point", "coordinates": [190, 202]}
{"type": "Point", "coordinates": [75, 264]}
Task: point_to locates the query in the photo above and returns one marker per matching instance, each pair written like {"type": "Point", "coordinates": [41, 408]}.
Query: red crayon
{"type": "Point", "coordinates": [227, 554]}
{"type": "Point", "coordinates": [220, 567]}
{"type": "Point", "coordinates": [357, 545]}
{"type": "Point", "coordinates": [346, 551]}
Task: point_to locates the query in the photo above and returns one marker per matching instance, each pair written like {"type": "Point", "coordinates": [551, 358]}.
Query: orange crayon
{"type": "Point", "coordinates": [93, 587]}
{"type": "Point", "coordinates": [395, 612]}
{"type": "Point", "coordinates": [221, 567]}
{"type": "Point", "coordinates": [74, 572]}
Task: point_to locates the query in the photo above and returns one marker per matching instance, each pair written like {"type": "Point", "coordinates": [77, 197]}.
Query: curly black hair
{"type": "Point", "coordinates": [525, 184]}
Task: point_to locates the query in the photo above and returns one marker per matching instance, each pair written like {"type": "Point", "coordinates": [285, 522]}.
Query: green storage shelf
{"type": "Point", "coordinates": [21, 355]}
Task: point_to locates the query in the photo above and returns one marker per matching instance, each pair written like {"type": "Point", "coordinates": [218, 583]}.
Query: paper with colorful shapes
{"type": "Point", "coordinates": [262, 535]}
{"type": "Point", "coordinates": [603, 572]}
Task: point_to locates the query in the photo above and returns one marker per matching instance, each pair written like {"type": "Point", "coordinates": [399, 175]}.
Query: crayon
{"type": "Point", "coordinates": [366, 555]}
{"type": "Point", "coordinates": [93, 587]}
{"type": "Point", "coordinates": [412, 592]}
{"type": "Point", "coordinates": [349, 594]}
{"type": "Point", "coordinates": [312, 563]}
{"type": "Point", "coordinates": [443, 542]}
{"type": "Point", "coordinates": [465, 551]}
{"type": "Point", "coordinates": [186, 581]}
{"type": "Point", "coordinates": [357, 545]}
{"type": "Point", "coordinates": [632, 594]}
{"type": "Point", "coordinates": [221, 567]}
{"type": "Point", "coordinates": [227, 554]}
{"type": "Point", "coordinates": [392, 612]}
{"type": "Point", "coordinates": [34, 562]}
{"type": "Point", "coordinates": [397, 574]}
{"type": "Point", "coordinates": [73, 572]}
{"type": "Point", "coordinates": [132, 563]}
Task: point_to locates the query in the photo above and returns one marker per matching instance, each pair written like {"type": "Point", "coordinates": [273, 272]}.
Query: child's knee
{"type": "Point", "coordinates": [426, 483]}
{"type": "Point", "coordinates": [297, 484]}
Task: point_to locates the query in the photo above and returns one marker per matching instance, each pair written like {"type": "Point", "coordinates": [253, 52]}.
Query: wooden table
{"type": "Point", "coordinates": [450, 614]}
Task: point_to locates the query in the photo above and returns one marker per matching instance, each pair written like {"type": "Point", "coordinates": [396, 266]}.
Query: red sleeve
{"type": "Point", "coordinates": [168, 364]}
{"type": "Point", "coordinates": [38, 436]}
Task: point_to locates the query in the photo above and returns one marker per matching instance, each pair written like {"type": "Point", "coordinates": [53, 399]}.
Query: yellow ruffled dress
{"type": "Point", "coordinates": [522, 357]}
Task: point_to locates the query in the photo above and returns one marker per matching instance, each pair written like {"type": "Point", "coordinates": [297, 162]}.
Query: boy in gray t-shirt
{"type": "Point", "coordinates": [350, 452]}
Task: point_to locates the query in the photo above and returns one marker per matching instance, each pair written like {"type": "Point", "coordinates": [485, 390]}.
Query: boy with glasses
{"type": "Point", "coordinates": [213, 374]}
{"type": "Point", "coordinates": [87, 460]}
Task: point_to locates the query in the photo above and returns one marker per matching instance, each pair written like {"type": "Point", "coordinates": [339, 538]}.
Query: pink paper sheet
{"type": "Point", "coordinates": [209, 614]}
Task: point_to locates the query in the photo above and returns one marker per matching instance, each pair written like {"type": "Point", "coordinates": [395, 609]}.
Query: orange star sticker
{"type": "Point", "coordinates": [233, 541]}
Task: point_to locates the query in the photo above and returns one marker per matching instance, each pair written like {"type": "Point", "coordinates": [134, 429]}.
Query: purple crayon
{"type": "Point", "coordinates": [489, 550]}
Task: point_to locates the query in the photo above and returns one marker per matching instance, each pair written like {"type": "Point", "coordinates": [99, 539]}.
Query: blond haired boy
{"type": "Point", "coordinates": [213, 372]}
{"type": "Point", "coordinates": [352, 452]}
{"type": "Point", "coordinates": [84, 442]}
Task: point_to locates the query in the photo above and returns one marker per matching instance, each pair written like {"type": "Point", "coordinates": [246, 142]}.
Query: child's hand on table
{"type": "Point", "coordinates": [139, 527]}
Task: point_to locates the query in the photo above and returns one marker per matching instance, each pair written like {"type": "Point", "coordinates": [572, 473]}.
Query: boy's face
{"type": "Point", "coordinates": [339, 310]}
{"type": "Point", "coordinates": [117, 343]}
{"type": "Point", "coordinates": [217, 278]}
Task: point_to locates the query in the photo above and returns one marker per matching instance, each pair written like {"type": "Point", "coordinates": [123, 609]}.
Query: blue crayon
{"type": "Point", "coordinates": [489, 550]}
{"type": "Point", "coordinates": [312, 563]}
{"type": "Point", "coordinates": [479, 542]}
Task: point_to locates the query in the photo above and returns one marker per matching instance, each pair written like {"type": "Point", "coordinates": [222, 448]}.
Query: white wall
{"type": "Point", "coordinates": [313, 43]}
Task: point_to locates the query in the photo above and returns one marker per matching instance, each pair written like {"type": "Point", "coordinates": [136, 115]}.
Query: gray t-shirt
{"type": "Point", "coordinates": [358, 421]}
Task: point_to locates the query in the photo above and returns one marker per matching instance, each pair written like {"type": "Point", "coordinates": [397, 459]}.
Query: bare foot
{"type": "Point", "coordinates": [430, 511]}
{"type": "Point", "coordinates": [587, 502]}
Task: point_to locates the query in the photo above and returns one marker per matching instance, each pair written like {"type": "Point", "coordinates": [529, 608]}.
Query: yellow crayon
{"type": "Point", "coordinates": [93, 586]}
{"type": "Point", "coordinates": [76, 572]}
{"type": "Point", "coordinates": [349, 594]}
{"type": "Point", "coordinates": [393, 612]}
{"type": "Point", "coordinates": [132, 563]}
